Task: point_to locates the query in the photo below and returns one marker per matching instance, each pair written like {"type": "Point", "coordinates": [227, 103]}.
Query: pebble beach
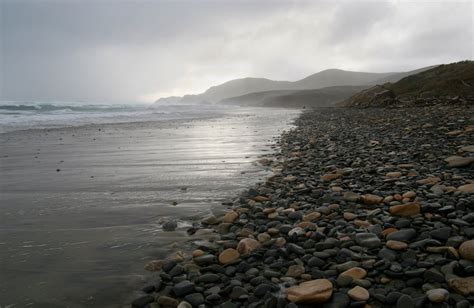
{"type": "Point", "coordinates": [365, 208]}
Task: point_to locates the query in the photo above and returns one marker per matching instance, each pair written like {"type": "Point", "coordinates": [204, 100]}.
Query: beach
{"type": "Point", "coordinates": [365, 207]}
{"type": "Point", "coordinates": [83, 207]}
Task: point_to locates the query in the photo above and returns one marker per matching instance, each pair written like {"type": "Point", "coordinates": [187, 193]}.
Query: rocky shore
{"type": "Point", "coordinates": [365, 208]}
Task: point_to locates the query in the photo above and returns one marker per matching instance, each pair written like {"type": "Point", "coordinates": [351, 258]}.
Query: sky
{"type": "Point", "coordinates": [130, 51]}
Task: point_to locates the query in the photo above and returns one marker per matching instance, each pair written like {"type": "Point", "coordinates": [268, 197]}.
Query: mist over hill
{"type": "Point", "coordinates": [324, 97]}
{"type": "Point", "coordinates": [266, 92]}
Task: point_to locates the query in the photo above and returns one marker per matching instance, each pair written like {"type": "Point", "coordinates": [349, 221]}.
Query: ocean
{"type": "Point", "coordinates": [30, 115]}
{"type": "Point", "coordinates": [85, 191]}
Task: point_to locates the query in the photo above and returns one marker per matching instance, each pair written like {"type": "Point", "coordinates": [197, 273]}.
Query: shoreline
{"type": "Point", "coordinates": [362, 209]}
{"type": "Point", "coordinates": [83, 207]}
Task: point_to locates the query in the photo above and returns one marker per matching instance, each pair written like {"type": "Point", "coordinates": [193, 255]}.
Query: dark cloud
{"type": "Point", "coordinates": [137, 50]}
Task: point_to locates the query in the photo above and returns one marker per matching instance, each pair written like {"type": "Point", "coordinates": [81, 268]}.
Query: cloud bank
{"type": "Point", "coordinates": [137, 51]}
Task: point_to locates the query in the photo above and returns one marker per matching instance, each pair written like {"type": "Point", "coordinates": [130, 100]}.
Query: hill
{"type": "Point", "coordinates": [453, 81]}
{"type": "Point", "coordinates": [324, 97]}
{"type": "Point", "coordinates": [238, 87]}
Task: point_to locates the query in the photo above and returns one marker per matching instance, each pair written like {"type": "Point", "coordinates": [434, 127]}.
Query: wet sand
{"type": "Point", "coordinates": [81, 235]}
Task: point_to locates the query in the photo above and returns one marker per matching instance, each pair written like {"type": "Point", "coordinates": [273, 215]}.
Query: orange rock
{"type": "Point", "coordinates": [370, 199]}
{"type": "Point", "coordinates": [228, 256]}
{"type": "Point", "coordinates": [387, 231]}
{"type": "Point", "coordinates": [358, 294]}
{"type": "Point", "coordinates": [355, 273]}
{"type": "Point", "coordinates": [312, 216]}
{"type": "Point", "coordinates": [330, 177]}
{"type": "Point", "coordinates": [405, 210]}
{"type": "Point", "coordinates": [230, 217]}
{"type": "Point", "coordinates": [307, 225]}
{"type": "Point", "coordinates": [429, 180]}
{"type": "Point", "coordinates": [362, 223]}
{"type": "Point", "coordinates": [468, 188]}
{"type": "Point", "coordinates": [349, 216]}
{"type": "Point", "coordinates": [247, 245]}
{"type": "Point", "coordinates": [409, 194]}
{"type": "Point", "coordinates": [261, 198]}
{"type": "Point", "coordinates": [198, 253]}
{"type": "Point", "coordinates": [310, 292]}
{"type": "Point", "coordinates": [393, 175]}
{"type": "Point", "coordinates": [463, 286]}
{"type": "Point", "coordinates": [396, 245]}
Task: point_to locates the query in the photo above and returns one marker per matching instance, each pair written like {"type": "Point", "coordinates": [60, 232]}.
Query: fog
{"type": "Point", "coordinates": [138, 51]}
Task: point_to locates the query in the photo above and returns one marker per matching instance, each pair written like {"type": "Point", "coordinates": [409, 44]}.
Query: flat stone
{"type": "Point", "coordinates": [229, 255]}
{"type": "Point", "coordinates": [350, 196]}
{"type": "Point", "coordinates": [207, 278]}
{"type": "Point", "coordinates": [358, 294]}
{"type": "Point", "coordinates": [402, 235]}
{"type": "Point", "coordinates": [395, 174]}
{"type": "Point", "coordinates": [310, 292]}
{"type": "Point", "coordinates": [458, 161]}
{"type": "Point", "coordinates": [330, 177]}
{"type": "Point", "coordinates": [355, 273]}
{"type": "Point", "coordinates": [396, 245]}
{"type": "Point", "coordinates": [247, 245]}
{"type": "Point", "coordinates": [463, 286]}
{"type": "Point", "coordinates": [432, 180]}
{"type": "Point", "coordinates": [371, 199]}
{"type": "Point", "coordinates": [368, 240]}
{"type": "Point", "coordinates": [467, 148]}
{"type": "Point", "coordinates": [204, 260]}
{"type": "Point", "coordinates": [312, 216]}
{"type": "Point", "coordinates": [349, 216]}
{"type": "Point", "coordinates": [405, 210]}
{"type": "Point", "coordinates": [467, 188]}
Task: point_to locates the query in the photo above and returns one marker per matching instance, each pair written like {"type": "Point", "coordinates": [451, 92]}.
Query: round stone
{"type": "Point", "coordinates": [247, 245]}
{"type": "Point", "coordinates": [229, 255]}
{"type": "Point", "coordinates": [230, 217]}
{"type": "Point", "coordinates": [358, 294]}
{"type": "Point", "coordinates": [437, 295]}
{"type": "Point", "coordinates": [467, 250]}
{"type": "Point", "coordinates": [198, 253]}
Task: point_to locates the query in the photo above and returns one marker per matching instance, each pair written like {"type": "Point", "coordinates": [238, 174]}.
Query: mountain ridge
{"type": "Point", "coordinates": [323, 79]}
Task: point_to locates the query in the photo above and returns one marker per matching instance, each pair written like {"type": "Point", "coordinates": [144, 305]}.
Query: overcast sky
{"type": "Point", "coordinates": [138, 51]}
